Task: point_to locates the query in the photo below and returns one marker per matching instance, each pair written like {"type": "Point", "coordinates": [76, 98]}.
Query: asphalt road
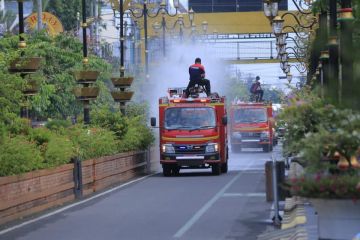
{"type": "Point", "coordinates": [194, 205]}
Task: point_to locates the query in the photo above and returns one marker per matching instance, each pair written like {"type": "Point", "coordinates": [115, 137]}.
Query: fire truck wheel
{"type": "Point", "coordinates": [224, 167]}
{"type": "Point", "coordinates": [175, 170]}
{"type": "Point", "coordinates": [166, 170]}
{"type": "Point", "coordinates": [267, 148]}
{"type": "Point", "coordinates": [216, 169]}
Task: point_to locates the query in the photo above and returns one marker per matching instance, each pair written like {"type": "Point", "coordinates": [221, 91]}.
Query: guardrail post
{"type": "Point", "coordinates": [78, 188]}
{"type": "Point", "coordinates": [276, 219]}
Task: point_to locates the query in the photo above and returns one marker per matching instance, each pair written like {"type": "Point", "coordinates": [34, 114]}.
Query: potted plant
{"type": "Point", "coordinates": [331, 179]}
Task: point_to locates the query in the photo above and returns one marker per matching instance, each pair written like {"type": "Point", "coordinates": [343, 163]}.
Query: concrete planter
{"type": "Point", "coordinates": [337, 218]}
{"type": "Point", "coordinates": [25, 64]}
{"type": "Point", "coordinates": [86, 76]}
{"type": "Point", "coordinates": [122, 96]}
{"type": "Point", "coordinates": [86, 93]}
{"type": "Point", "coordinates": [32, 88]}
{"type": "Point", "coordinates": [122, 82]}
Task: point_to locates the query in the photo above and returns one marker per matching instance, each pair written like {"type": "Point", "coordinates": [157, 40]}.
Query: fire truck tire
{"type": "Point", "coordinates": [216, 169]}
{"type": "Point", "coordinates": [175, 170]}
{"type": "Point", "coordinates": [224, 167]}
{"type": "Point", "coordinates": [166, 170]}
{"type": "Point", "coordinates": [267, 148]}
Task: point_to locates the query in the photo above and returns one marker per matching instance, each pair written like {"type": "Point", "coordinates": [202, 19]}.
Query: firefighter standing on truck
{"type": "Point", "coordinates": [197, 76]}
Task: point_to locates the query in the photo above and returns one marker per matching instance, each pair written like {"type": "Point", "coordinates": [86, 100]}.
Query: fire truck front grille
{"type": "Point", "coordinates": [191, 149]}
{"type": "Point", "coordinates": [250, 135]}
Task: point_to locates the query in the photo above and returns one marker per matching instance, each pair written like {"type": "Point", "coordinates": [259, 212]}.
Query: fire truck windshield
{"type": "Point", "coordinates": [189, 118]}
{"type": "Point", "coordinates": [250, 115]}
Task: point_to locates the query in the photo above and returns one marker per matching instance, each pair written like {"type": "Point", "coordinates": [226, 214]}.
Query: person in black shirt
{"type": "Point", "coordinates": [197, 76]}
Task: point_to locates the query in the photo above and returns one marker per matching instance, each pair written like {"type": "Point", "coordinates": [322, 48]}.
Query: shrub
{"type": "Point", "coordinates": [17, 155]}
{"type": "Point", "coordinates": [59, 151]}
{"type": "Point", "coordinates": [113, 121]}
{"type": "Point", "coordinates": [138, 136]}
{"type": "Point", "coordinates": [40, 136]}
{"type": "Point", "coordinates": [58, 124]}
{"type": "Point", "coordinates": [325, 186]}
{"type": "Point", "coordinates": [93, 142]}
{"type": "Point", "coordinates": [19, 126]}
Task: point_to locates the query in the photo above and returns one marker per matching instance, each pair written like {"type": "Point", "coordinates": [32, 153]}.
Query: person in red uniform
{"type": "Point", "coordinates": [197, 76]}
{"type": "Point", "coordinates": [256, 89]}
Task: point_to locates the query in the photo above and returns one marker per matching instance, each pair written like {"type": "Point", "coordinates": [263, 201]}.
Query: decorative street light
{"type": "Point", "coordinates": [277, 25]}
{"type": "Point", "coordinates": [164, 12]}
{"type": "Point", "coordinates": [204, 25]}
{"type": "Point", "coordinates": [289, 77]}
{"type": "Point", "coordinates": [144, 13]}
{"type": "Point", "coordinates": [271, 9]}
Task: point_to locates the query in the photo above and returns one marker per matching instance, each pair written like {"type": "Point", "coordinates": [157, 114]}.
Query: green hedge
{"type": "Point", "coordinates": [18, 155]}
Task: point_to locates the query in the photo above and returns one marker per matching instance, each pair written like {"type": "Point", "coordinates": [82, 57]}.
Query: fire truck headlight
{"type": "Point", "coordinates": [236, 135]}
{"type": "Point", "coordinates": [264, 135]}
{"type": "Point", "coordinates": [167, 148]}
{"type": "Point", "coordinates": [212, 147]}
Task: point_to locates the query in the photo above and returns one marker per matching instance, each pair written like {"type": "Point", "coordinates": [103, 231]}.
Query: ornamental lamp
{"type": "Point", "coordinates": [191, 15]}
{"type": "Point", "coordinates": [163, 4]}
{"type": "Point", "coordinates": [289, 77]}
{"type": "Point", "coordinates": [271, 8]}
{"type": "Point", "coordinates": [324, 55]}
{"type": "Point", "coordinates": [204, 25]}
{"type": "Point", "coordinates": [277, 25]}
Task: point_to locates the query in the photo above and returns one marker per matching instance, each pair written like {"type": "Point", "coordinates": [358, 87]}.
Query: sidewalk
{"type": "Point", "coordinates": [299, 219]}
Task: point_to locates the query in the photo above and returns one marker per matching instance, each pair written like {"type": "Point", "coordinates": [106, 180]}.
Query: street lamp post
{"type": "Point", "coordinates": [334, 81]}
{"type": "Point", "coordinates": [145, 14]}
{"type": "Point", "coordinates": [122, 39]}
{"type": "Point", "coordinates": [22, 43]}
{"type": "Point", "coordinates": [346, 55]}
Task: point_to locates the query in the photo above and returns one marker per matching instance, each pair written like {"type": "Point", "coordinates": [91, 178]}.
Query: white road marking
{"type": "Point", "coordinates": [207, 206]}
{"type": "Point", "coordinates": [72, 205]}
{"type": "Point", "coordinates": [244, 195]}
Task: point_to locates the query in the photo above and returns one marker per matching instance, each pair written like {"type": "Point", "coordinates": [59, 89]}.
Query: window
{"type": "Point", "coordinates": [250, 115]}
{"type": "Point", "coordinates": [190, 118]}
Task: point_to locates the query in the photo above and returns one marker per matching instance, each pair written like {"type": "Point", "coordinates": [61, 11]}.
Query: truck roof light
{"type": "Point", "coordinates": [203, 100]}
{"type": "Point", "coordinates": [177, 100]}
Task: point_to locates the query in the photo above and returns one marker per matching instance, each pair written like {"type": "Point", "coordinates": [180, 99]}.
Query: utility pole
{"type": "Point", "coordinates": [39, 15]}
{"type": "Point", "coordinates": [346, 20]}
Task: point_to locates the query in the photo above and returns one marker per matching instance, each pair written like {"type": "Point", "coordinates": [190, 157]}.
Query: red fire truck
{"type": "Point", "coordinates": [251, 126]}
{"type": "Point", "coordinates": [193, 132]}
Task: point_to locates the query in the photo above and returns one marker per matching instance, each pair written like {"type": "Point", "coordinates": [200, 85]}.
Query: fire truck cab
{"type": "Point", "coordinates": [193, 132]}
{"type": "Point", "coordinates": [251, 126]}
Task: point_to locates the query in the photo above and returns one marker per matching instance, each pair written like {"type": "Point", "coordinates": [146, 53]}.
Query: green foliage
{"type": "Point", "coordinates": [237, 89]}
{"type": "Point", "coordinates": [66, 11]}
{"type": "Point", "coordinates": [19, 126]}
{"type": "Point", "coordinates": [113, 121]}
{"type": "Point", "coordinates": [138, 136]}
{"type": "Point", "coordinates": [58, 124]}
{"type": "Point", "coordinates": [40, 136]}
{"type": "Point", "coordinates": [60, 150]}
{"type": "Point", "coordinates": [93, 142]}
{"type": "Point", "coordinates": [17, 155]}
{"type": "Point", "coordinates": [301, 117]}
{"type": "Point", "coordinates": [325, 186]}
{"type": "Point", "coordinates": [137, 109]}
{"type": "Point", "coordinates": [344, 139]}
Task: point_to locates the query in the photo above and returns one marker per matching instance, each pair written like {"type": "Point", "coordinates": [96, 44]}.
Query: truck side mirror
{"type": "Point", "coordinates": [153, 122]}
{"type": "Point", "coordinates": [224, 120]}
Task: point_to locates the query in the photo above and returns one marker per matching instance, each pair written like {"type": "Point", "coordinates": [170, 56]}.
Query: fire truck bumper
{"type": "Point", "coordinates": [251, 143]}
{"type": "Point", "coordinates": [190, 160]}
